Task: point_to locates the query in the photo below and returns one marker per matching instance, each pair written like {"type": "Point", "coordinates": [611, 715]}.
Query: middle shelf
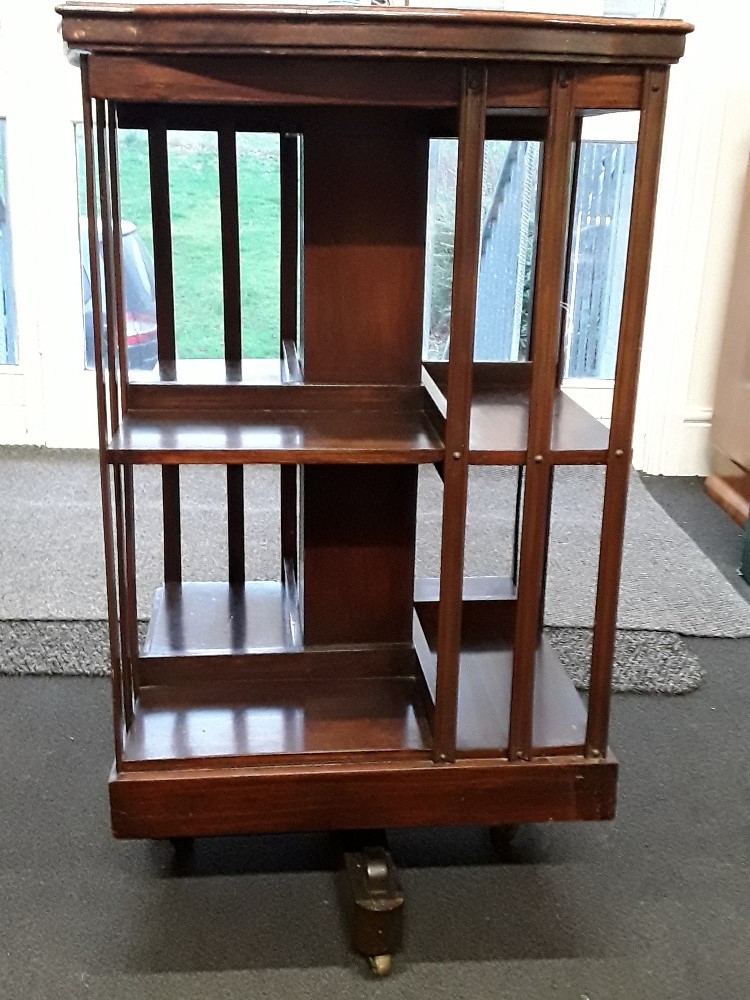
{"type": "Point", "coordinates": [207, 420]}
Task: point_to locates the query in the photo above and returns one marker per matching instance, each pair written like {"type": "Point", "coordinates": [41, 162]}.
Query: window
{"type": "Point", "coordinates": [8, 352]}
{"type": "Point", "coordinates": [196, 244]}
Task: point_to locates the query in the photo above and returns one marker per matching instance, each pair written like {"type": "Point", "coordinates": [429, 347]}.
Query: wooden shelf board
{"type": "Point", "coordinates": [182, 727]}
{"type": "Point", "coordinates": [213, 372]}
{"type": "Point", "coordinates": [277, 436]}
{"type": "Point", "coordinates": [201, 619]}
{"type": "Point", "coordinates": [498, 431]}
{"type": "Point", "coordinates": [484, 695]}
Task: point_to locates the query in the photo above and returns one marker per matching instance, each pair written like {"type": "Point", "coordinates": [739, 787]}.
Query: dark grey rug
{"type": "Point", "coordinates": [52, 586]}
{"type": "Point", "coordinates": [645, 662]}
{"type": "Point", "coordinates": [51, 563]}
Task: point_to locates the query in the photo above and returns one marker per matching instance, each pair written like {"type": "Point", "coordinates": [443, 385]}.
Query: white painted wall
{"type": "Point", "coordinates": [706, 150]}
{"type": "Point", "coordinates": [49, 399]}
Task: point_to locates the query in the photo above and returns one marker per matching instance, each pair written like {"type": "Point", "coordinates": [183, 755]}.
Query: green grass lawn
{"type": "Point", "coordinates": [196, 236]}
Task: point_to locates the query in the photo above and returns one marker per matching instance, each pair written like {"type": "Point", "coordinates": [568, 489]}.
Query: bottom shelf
{"type": "Point", "coordinates": [297, 719]}
{"type": "Point", "coordinates": [225, 681]}
{"type": "Point", "coordinates": [484, 692]}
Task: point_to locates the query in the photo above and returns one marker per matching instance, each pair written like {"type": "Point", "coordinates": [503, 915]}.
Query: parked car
{"type": "Point", "coordinates": [140, 301]}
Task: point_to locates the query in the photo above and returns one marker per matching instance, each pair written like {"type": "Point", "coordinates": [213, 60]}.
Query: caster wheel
{"type": "Point", "coordinates": [380, 964]}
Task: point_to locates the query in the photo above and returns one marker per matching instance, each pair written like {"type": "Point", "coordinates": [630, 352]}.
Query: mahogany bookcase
{"type": "Point", "coordinates": [397, 702]}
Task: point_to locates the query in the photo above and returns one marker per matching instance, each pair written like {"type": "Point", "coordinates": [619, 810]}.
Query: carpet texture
{"type": "Point", "coordinates": [653, 906]}
{"type": "Point", "coordinates": [51, 563]}
{"type": "Point", "coordinates": [645, 662]}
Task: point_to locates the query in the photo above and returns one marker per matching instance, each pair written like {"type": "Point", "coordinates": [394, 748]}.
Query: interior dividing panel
{"type": "Point", "coordinates": [365, 182]}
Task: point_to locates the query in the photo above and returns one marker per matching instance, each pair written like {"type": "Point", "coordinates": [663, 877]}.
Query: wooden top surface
{"type": "Point", "coordinates": [381, 31]}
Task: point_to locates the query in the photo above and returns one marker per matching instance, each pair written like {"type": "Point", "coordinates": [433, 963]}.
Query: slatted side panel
{"type": "Point", "coordinates": [545, 327]}
{"type": "Point", "coordinates": [115, 649]}
{"type": "Point", "coordinates": [161, 222]}
{"type": "Point", "coordinates": [623, 407]}
{"type": "Point", "coordinates": [472, 115]}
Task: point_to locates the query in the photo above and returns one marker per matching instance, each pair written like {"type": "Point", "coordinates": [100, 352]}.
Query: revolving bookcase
{"type": "Point", "coordinates": [349, 695]}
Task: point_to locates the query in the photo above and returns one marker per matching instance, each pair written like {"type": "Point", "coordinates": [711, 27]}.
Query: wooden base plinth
{"type": "Point", "coordinates": [236, 800]}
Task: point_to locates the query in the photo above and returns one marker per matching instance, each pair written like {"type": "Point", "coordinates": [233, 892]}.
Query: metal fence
{"type": "Point", "coordinates": [601, 217]}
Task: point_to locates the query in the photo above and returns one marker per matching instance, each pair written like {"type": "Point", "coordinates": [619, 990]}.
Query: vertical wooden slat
{"type": "Point", "coordinates": [230, 244]}
{"type": "Point", "coordinates": [472, 114]}
{"type": "Point", "coordinates": [567, 306]}
{"type": "Point", "coordinates": [130, 569]}
{"type": "Point", "coordinates": [236, 523]}
{"type": "Point", "coordinates": [553, 218]}
{"type": "Point", "coordinates": [126, 529]}
{"type": "Point", "coordinates": [170, 488]}
{"type": "Point", "coordinates": [289, 152]}
{"type": "Point", "coordinates": [112, 328]}
{"type": "Point", "coordinates": [161, 223]}
{"type": "Point", "coordinates": [117, 265]}
{"type": "Point", "coordinates": [623, 406]}
{"type": "Point", "coordinates": [115, 336]}
{"type": "Point", "coordinates": [289, 181]}
{"type": "Point", "coordinates": [232, 289]}
{"type": "Point", "coordinates": [101, 399]}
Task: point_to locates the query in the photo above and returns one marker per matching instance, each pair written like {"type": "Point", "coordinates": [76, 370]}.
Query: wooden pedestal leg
{"type": "Point", "coordinates": [373, 897]}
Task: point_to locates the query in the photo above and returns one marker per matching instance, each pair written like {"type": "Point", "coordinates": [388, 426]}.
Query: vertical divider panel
{"type": "Point", "coordinates": [101, 399]}
{"type": "Point", "coordinates": [158, 163]}
{"type": "Point", "coordinates": [545, 329]}
{"type": "Point", "coordinates": [232, 292]}
{"type": "Point", "coordinates": [471, 130]}
{"type": "Point", "coordinates": [289, 152]}
{"type": "Point", "coordinates": [653, 103]}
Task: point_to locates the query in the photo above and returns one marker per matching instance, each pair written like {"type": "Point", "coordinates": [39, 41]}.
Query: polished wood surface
{"type": "Point", "coordinates": [202, 618]}
{"type": "Point", "coordinates": [185, 726]}
{"type": "Point", "coordinates": [418, 33]}
{"type": "Point", "coordinates": [623, 406]}
{"type": "Point", "coordinates": [277, 436]}
{"type": "Point", "coordinates": [499, 425]}
{"type": "Point", "coordinates": [546, 308]}
{"type": "Point", "coordinates": [347, 694]}
{"type": "Point", "coordinates": [484, 694]}
{"type": "Point", "coordinates": [466, 249]}
{"type": "Point", "coordinates": [363, 795]}
{"type": "Point", "coordinates": [363, 270]}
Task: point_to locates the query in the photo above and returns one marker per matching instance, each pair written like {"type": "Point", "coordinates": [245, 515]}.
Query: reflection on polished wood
{"type": "Point", "coordinates": [486, 669]}
{"type": "Point", "coordinates": [274, 437]}
{"type": "Point", "coordinates": [499, 422]}
{"type": "Point", "coordinates": [201, 618]}
{"type": "Point", "coordinates": [181, 726]}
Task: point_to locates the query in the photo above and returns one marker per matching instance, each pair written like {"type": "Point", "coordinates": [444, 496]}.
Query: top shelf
{"type": "Point", "coordinates": [202, 29]}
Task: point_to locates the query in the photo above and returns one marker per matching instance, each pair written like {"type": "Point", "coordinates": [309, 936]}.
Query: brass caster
{"type": "Point", "coordinates": [380, 964]}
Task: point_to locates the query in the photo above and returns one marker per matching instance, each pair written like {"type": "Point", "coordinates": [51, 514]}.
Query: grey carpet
{"type": "Point", "coordinates": [645, 662]}
{"type": "Point", "coordinates": [51, 554]}
{"type": "Point", "coordinates": [651, 907]}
